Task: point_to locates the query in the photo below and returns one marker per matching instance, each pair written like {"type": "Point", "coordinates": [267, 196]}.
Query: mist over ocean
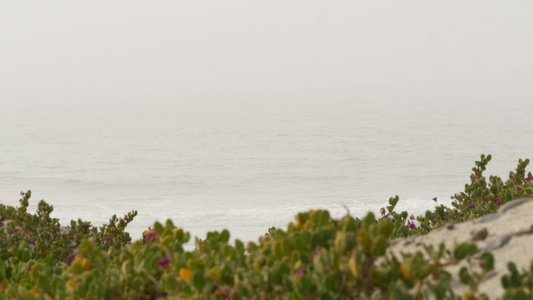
{"type": "Point", "coordinates": [247, 166]}
{"type": "Point", "coordinates": [240, 114]}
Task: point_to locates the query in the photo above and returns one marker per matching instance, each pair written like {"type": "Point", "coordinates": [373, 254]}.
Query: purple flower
{"type": "Point", "coordinates": [301, 272]}
{"type": "Point", "coordinates": [63, 235]}
{"type": "Point", "coordinates": [32, 241]}
{"type": "Point", "coordinates": [470, 206]}
{"type": "Point", "coordinates": [412, 217]}
{"type": "Point", "coordinates": [461, 198]}
{"type": "Point", "coordinates": [150, 235]}
{"type": "Point", "coordinates": [21, 193]}
{"type": "Point", "coordinates": [446, 213]}
{"type": "Point", "coordinates": [55, 262]}
{"type": "Point", "coordinates": [498, 202]}
{"type": "Point", "coordinates": [110, 256]}
{"type": "Point", "coordinates": [16, 230]}
{"type": "Point", "coordinates": [497, 198]}
{"type": "Point", "coordinates": [29, 268]}
{"type": "Point", "coordinates": [70, 258]}
{"type": "Point", "coordinates": [482, 211]}
{"type": "Point", "coordinates": [435, 199]}
{"type": "Point", "coordinates": [411, 225]}
{"type": "Point", "coordinates": [163, 261]}
{"type": "Point", "coordinates": [514, 197]}
{"type": "Point", "coordinates": [461, 214]}
{"type": "Point", "coordinates": [107, 239]}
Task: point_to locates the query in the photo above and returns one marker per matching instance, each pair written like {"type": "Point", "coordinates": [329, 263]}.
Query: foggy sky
{"type": "Point", "coordinates": [141, 50]}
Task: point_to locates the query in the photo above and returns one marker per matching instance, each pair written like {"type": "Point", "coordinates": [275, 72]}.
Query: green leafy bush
{"type": "Point", "coordinates": [315, 257]}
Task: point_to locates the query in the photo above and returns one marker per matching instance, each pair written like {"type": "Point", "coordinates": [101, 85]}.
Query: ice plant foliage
{"type": "Point", "coordinates": [314, 257]}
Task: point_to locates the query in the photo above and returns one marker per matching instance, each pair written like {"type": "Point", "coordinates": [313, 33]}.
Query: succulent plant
{"type": "Point", "coordinates": [316, 256]}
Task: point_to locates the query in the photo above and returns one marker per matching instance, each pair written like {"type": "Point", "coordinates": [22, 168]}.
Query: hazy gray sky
{"type": "Point", "coordinates": [139, 50]}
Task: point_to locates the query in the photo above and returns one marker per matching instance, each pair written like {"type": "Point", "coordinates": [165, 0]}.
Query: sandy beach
{"type": "Point", "coordinates": [509, 232]}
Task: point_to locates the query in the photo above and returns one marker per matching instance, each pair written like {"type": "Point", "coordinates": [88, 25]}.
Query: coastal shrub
{"type": "Point", "coordinates": [480, 197]}
{"type": "Point", "coordinates": [518, 285]}
{"type": "Point", "coordinates": [46, 238]}
{"type": "Point", "coordinates": [315, 257]}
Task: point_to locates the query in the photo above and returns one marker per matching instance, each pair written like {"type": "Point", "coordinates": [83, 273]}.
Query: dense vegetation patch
{"type": "Point", "coordinates": [315, 257]}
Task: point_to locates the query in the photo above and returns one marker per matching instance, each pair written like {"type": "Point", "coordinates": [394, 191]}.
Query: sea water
{"type": "Point", "coordinates": [248, 165]}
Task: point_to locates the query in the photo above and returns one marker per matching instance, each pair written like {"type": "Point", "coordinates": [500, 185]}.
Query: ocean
{"type": "Point", "coordinates": [249, 165]}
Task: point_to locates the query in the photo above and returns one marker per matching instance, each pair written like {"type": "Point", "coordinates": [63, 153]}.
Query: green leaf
{"type": "Point", "coordinates": [340, 242]}
{"type": "Point", "coordinates": [520, 295]}
{"type": "Point", "coordinates": [379, 246]}
{"type": "Point", "coordinates": [463, 250]}
{"type": "Point", "coordinates": [305, 283]}
{"type": "Point", "coordinates": [277, 249]}
{"type": "Point", "coordinates": [330, 284]}
{"type": "Point", "coordinates": [369, 219]}
{"type": "Point", "coordinates": [300, 244]}
{"type": "Point", "coordinates": [487, 261]}
{"type": "Point", "coordinates": [239, 246]}
{"type": "Point", "coordinates": [159, 227]}
{"type": "Point", "coordinates": [179, 235]}
{"type": "Point", "coordinates": [198, 280]}
{"type": "Point", "coordinates": [316, 239]}
{"type": "Point", "coordinates": [385, 228]}
{"type": "Point", "coordinates": [224, 236]}
{"type": "Point", "coordinates": [302, 217]}
{"type": "Point", "coordinates": [171, 282]}
{"type": "Point", "coordinates": [512, 267]}
{"type": "Point", "coordinates": [287, 247]}
{"type": "Point", "coordinates": [324, 217]}
{"type": "Point", "coordinates": [24, 255]}
{"type": "Point", "coordinates": [364, 240]}
{"type": "Point", "coordinates": [464, 276]}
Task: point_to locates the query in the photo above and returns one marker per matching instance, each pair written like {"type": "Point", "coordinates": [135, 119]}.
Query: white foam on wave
{"type": "Point", "coordinates": [220, 218]}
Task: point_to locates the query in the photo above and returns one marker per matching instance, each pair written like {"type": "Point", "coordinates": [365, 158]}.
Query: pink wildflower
{"type": "Point", "coordinates": [163, 261]}
{"type": "Point", "coordinates": [301, 272]}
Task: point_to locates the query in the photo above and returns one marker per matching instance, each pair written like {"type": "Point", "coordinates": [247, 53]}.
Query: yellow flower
{"type": "Point", "coordinates": [185, 274]}
{"type": "Point", "coordinates": [406, 274]}
{"type": "Point", "coordinates": [353, 267]}
{"type": "Point", "coordinates": [33, 291]}
{"type": "Point", "coordinates": [299, 224]}
{"type": "Point", "coordinates": [3, 285]}
{"type": "Point", "coordinates": [86, 264]}
{"type": "Point", "coordinates": [70, 284]}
